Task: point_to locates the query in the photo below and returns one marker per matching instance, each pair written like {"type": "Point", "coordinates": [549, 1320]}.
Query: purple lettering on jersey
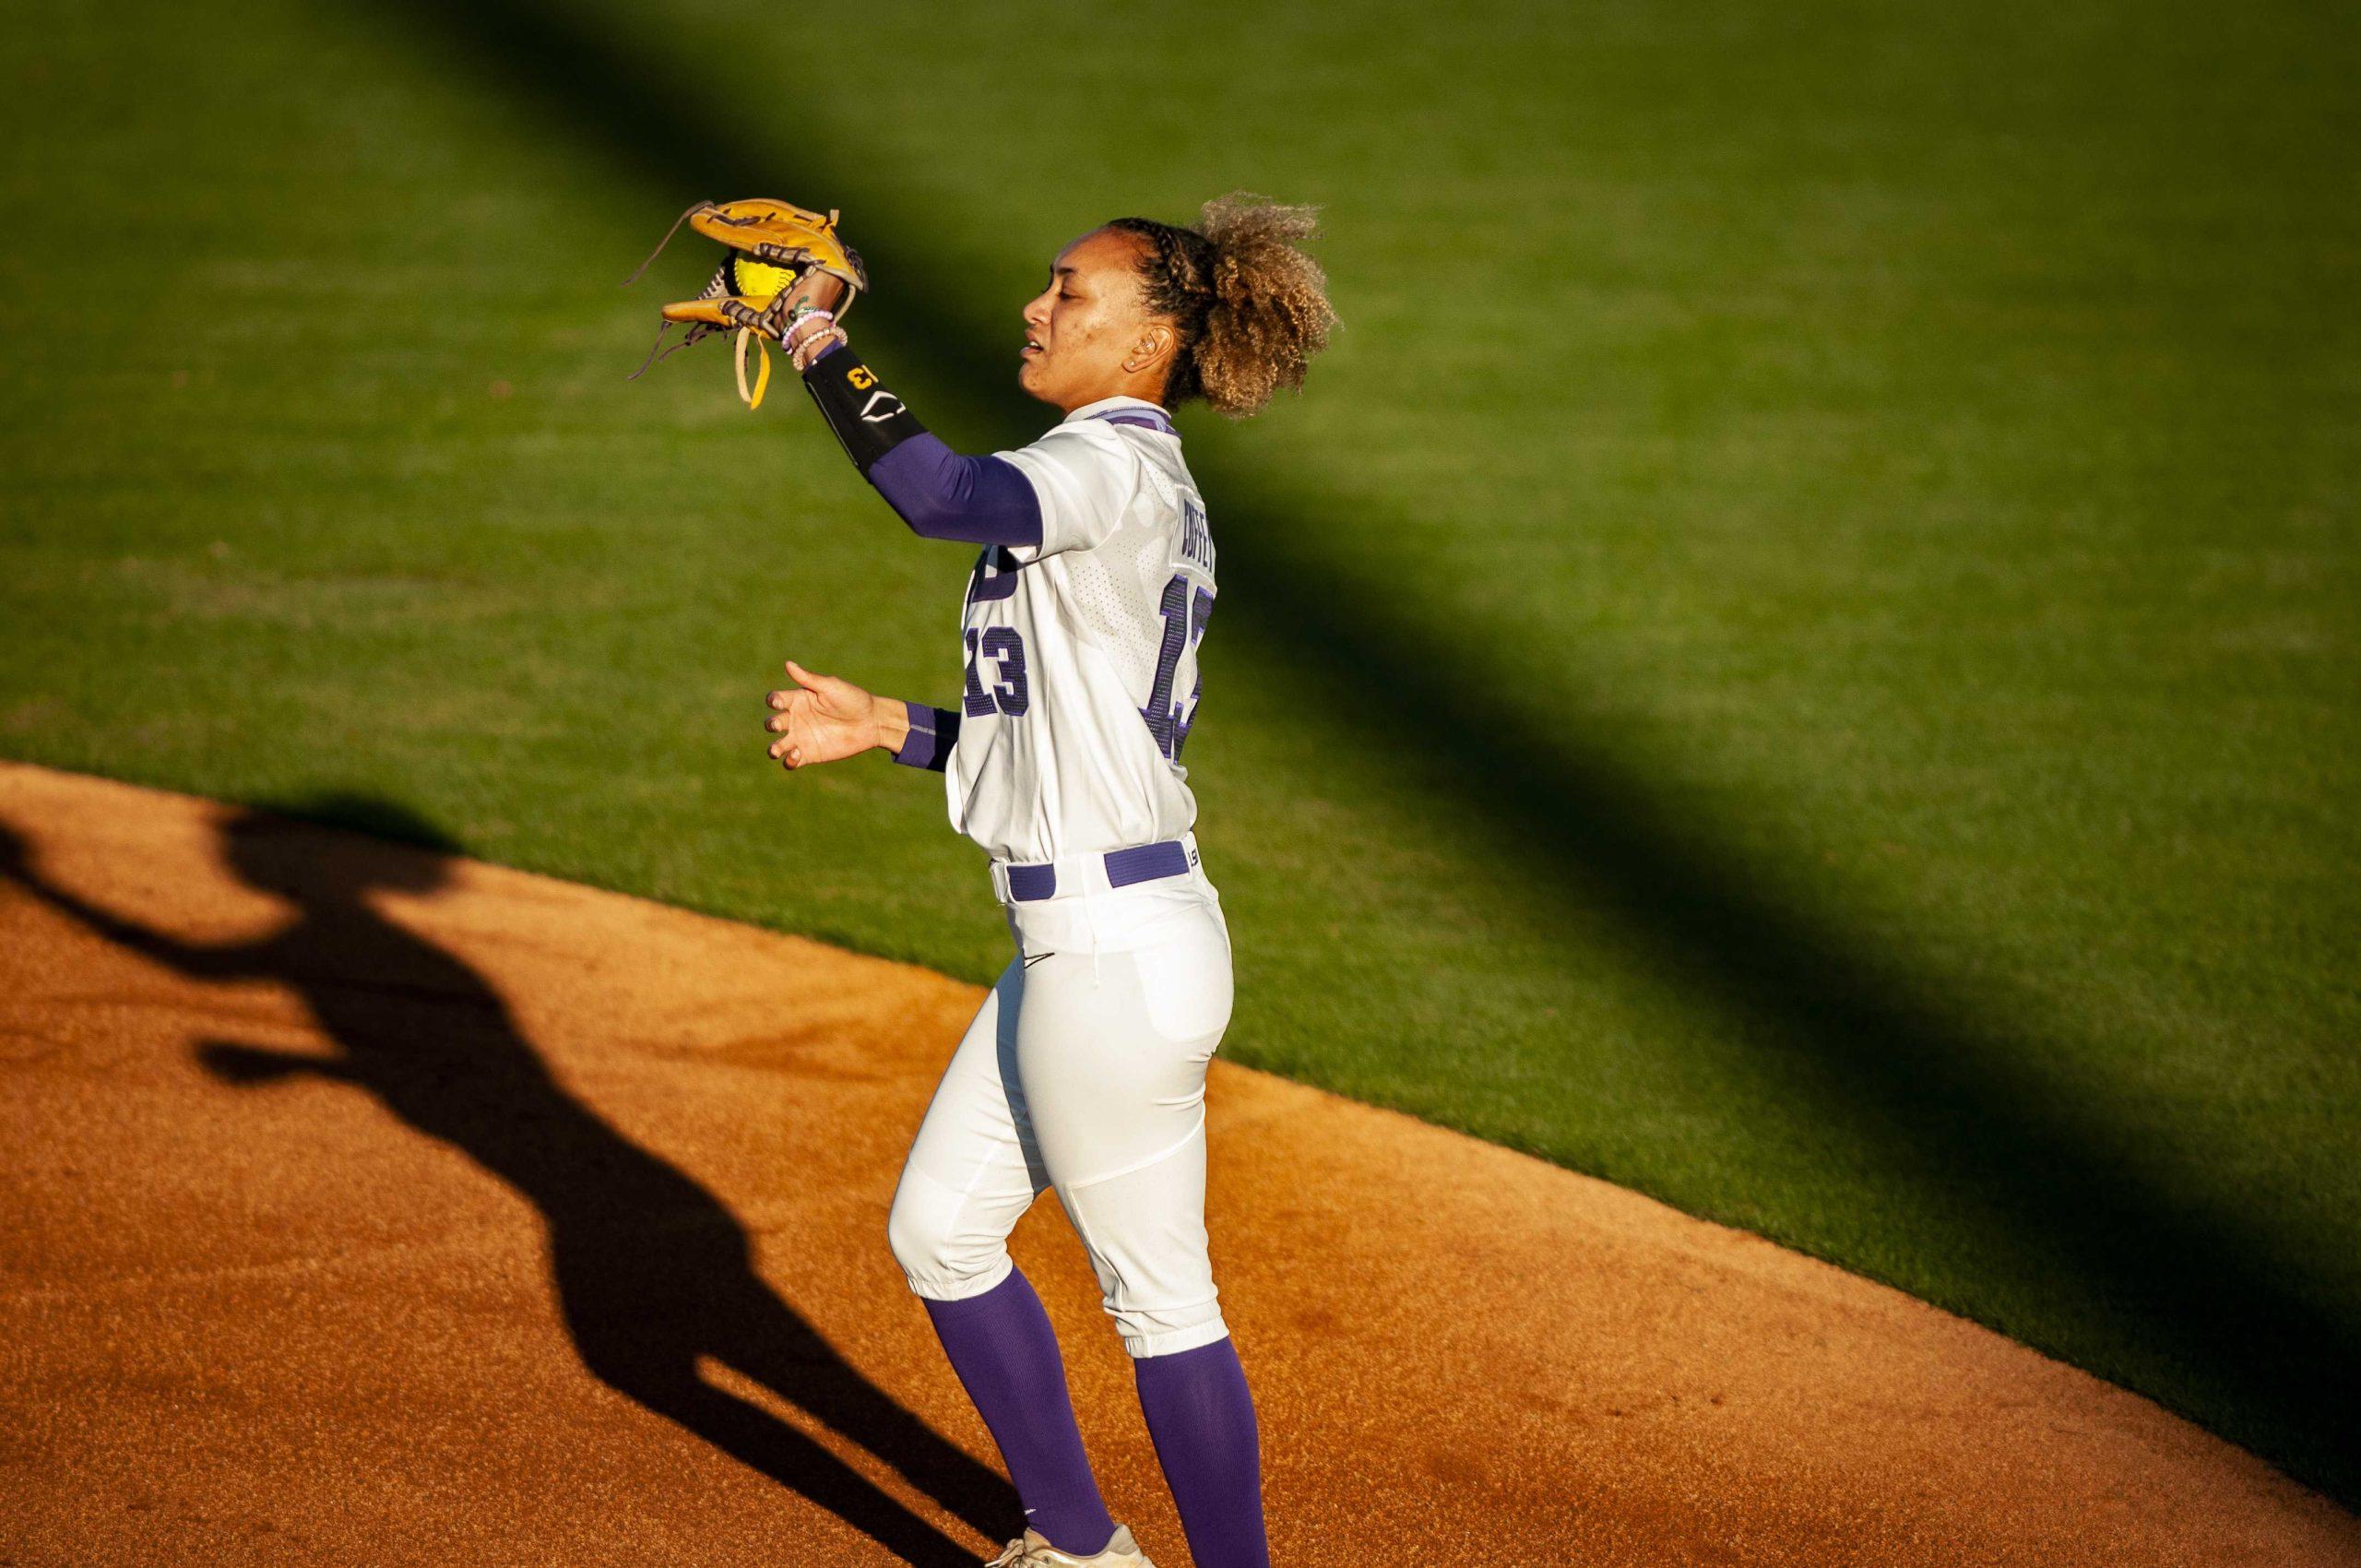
{"type": "Point", "coordinates": [1010, 694]}
{"type": "Point", "coordinates": [1004, 647]}
{"type": "Point", "coordinates": [994, 577]}
{"type": "Point", "coordinates": [975, 701]}
{"type": "Point", "coordinates": [1196, 540]}
{"type": "Point", "coordinates": [1184, 627]}
{"type": "Point", "coordinates": [1203, 612]}
{"type": "Point", "coordinates": [1174, 608]}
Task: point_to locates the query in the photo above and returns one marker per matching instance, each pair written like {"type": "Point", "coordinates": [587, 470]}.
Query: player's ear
{"type": "Point", "coordinates": [1153, 347]}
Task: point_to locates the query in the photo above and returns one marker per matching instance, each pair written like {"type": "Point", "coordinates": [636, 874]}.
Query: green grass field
{"type": "Point", "coordinates": [1801, 653]}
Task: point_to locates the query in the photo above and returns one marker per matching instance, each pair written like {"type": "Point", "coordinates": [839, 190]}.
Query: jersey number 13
{"type": "Point", "coordinates": [1185, 614]}
{"type": "Point", "coordinates": [1009, 692]}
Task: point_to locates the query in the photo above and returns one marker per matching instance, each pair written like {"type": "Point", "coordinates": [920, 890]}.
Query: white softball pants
{"type": "Point", "coordinates": [1084, 1070]}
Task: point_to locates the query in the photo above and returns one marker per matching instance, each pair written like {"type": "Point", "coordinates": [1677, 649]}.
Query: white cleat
{"type": "Point", "coordinates": [1030, 1550]}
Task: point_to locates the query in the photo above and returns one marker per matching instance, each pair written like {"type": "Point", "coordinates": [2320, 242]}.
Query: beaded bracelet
{"type": "Point", "coordinates": [808, 353]}
{"type": "Point", "coordinates": [803, 314]}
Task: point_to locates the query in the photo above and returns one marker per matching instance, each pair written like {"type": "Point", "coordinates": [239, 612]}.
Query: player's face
{"type": "Point", "coordinates": [1083, 334]}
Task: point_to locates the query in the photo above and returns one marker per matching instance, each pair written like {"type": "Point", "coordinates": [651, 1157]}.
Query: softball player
{"type": "Point", "coordinates": [1084, 1070]}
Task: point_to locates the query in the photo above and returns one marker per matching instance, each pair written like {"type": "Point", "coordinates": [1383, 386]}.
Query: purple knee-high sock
{"type": "Point", "coordinates": [1001, 1346]}
{"type": "Point", "coordinates": [1203, 1421]}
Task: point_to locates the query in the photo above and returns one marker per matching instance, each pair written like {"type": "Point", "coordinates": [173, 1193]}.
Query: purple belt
{"type": "Point", "coordinates": [1141, 862]}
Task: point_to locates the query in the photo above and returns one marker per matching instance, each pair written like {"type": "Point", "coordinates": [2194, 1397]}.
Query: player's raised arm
{"type": "Point", "coordinates": [826, 719]}
{"type": "Point", "coordinates": [939, 493]}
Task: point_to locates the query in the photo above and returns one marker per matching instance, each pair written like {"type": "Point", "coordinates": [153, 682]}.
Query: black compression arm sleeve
{"type": "Point", "coordinates": [868, 419]}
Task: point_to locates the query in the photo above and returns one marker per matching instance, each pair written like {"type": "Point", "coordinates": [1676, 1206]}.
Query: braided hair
{"type": "Point", "coordinates": [1248, 306]}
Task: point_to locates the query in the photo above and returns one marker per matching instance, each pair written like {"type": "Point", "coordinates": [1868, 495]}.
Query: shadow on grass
{"type": "Point", "coordinates": [652, 1273]}
{"type": "Point", "coordinates": [1892, 1058]}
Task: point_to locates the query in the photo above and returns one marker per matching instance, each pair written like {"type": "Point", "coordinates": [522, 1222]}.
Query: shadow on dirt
{"type": "Point", "coordinates": [1861, 1039]}
{"type": "Point", "coordinates": [651, 1271]}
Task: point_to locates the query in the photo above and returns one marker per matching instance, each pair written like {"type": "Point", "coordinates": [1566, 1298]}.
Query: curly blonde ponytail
{"type": "Point", "coordinates": [1251, 308]}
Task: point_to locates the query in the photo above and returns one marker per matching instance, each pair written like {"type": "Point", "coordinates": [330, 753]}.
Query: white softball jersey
{"type": "Point", "coordinates": [1082, 651]}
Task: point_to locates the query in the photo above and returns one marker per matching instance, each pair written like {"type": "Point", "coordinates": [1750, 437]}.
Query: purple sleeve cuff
{"type": "Point", "coordinates": [943, 495]}
{"type": "Point", "coordinates": [933, 731]}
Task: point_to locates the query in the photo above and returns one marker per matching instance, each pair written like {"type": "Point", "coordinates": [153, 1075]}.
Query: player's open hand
{"type": "Point", "coordinates": [820, 718]}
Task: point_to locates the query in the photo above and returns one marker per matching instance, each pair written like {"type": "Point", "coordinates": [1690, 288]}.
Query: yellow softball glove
{"type": "Point", "coordinates": [773, 248]}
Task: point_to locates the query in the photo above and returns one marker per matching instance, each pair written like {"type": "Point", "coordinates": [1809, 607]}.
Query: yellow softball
{"type": "Point", "coordinates": [756, 280]}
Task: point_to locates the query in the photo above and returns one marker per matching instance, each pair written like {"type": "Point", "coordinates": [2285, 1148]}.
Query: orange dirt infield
{"type": "Point", "coordinates": [368, 1207]}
